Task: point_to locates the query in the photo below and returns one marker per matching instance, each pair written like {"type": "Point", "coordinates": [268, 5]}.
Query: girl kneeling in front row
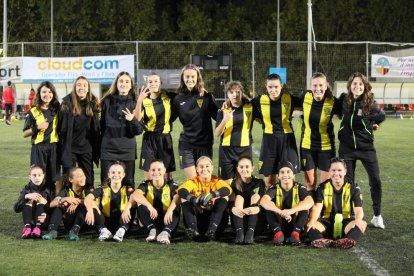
{"type": "Point", "coordinates": [337, 212]}
{"type": "Point", "coordinates": [112, 201]}
{"type": "Point", "coordinates": [69, 206]}
{"type": "Point", "coordinates": [32, 202]}
{"type": "Point", "coordinates": [287, 204]}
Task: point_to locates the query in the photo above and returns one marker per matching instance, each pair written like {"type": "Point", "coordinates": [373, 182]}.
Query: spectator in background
{"type": "Point", "coordinates": [32, 96]}
{"type": "Point", "coordinates": [8, 101]}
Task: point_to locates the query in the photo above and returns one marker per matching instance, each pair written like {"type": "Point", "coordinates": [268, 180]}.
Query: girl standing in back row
{"type": "Point", "coordinates": [361, 116]}
{"type": "Point", "coordinates": [41, 124]}
{"type": "Point", "coordinates": [195, 109]}
{"type": "Point", "coordinates": [79, 130]}
{"type": "Point", "coordinates": [119, 127]}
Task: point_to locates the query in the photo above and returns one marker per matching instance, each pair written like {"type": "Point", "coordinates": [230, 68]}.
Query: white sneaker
{"type": "Point", "coordinates": [164, 237]}
{"type": "Point", "coordinates": [119, 235]}
{"type": "Point", "coordinates": [104, 234]}
{"type": "Point", "coordinates": [378, 222]}
{"type": "Point", "coordinates": [152, 235]}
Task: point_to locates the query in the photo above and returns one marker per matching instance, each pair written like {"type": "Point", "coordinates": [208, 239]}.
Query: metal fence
{"type": "Point", "coordinates": [250, 59]}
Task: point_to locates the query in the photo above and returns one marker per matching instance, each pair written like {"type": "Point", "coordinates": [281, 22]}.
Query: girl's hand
{"type": "Point", "coordinates": [153, 212]}
{"type": "Point", "coordinates": [144, 92]}
{"type": "Point", "coordinates": [72, 208]}
{"type": "Point", "coordinates": [43, 125]}
{"type": "Point", "coordinates": [168, 217]}
{"type": "Point", "coordinates": [33, 196]}
{"type": "Point", "coordinates": [128, 115]}
{"type": "Point", "coordinates": [238, 212]}
{"type": "Point", "coordinates": [251, 210]}
{"type": "Point", "coordinates": [126, 215]}
{"type": "Point", "coordinates": [89, 218]}
{"type": "Point", "coordinates": [228, 114]}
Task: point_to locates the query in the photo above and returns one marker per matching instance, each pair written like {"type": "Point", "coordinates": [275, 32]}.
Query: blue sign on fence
{"type": "Point", "coordinates": [280, 71]}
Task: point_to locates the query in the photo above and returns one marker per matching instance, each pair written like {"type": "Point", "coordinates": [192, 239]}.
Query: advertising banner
{"type": "Point", "coordinates": [392, 67]}
{"type": "Point", "coordinates": [101, 69]}
{"type": "Point", "coordinates": [10, 69]}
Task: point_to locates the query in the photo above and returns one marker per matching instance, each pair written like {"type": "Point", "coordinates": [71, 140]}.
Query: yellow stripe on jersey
{"type": "Point", "coordinates": [324, 121]}
{"type": "Point", "coordinates": [328, 200]}
{"type": "Point", "coordinates": [286, 108]}
{"type": "Point", "coordinates": [265, 109]}
{"type": "Point", "coordinates": [279, 196]}
{"type": "Point", "coordinates": [151, 113]}
{"type": "Point", "coordinates": [106, 200]}
{"type": "Point", "coordinates": [166, 101]}
{"type": "Point", "coordinates": [240, 136]}
{"type": "Point", "coordinates": [40, 136]}
{"type": "Point", "coordinates": [307, 106]}
{"type": "Point", "coordinates": [165, 196]}
{"type": "Point", "coordinates": [324, 118]}
{"type": "Point", "coordinates": [228, 129]}
{"type": "Point", "coordinates": [72, 194]}
{"type": "Point", "coordinates": [247, 124]}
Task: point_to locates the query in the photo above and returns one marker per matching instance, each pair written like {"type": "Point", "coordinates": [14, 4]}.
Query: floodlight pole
{"type": "Point", "coordinates": [278, 38]}
{"type": "Point", "coordinates": [309, 59]}
{"type": "Point", "coordinates": [51, 28]}
{"type": "Point", "coordinates": [4, 28]}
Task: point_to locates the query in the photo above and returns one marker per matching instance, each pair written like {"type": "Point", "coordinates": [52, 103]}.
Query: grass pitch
{"type": "Point", "coordinates": [379, 252]}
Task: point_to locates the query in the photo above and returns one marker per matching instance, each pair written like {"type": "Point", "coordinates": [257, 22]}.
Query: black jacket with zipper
{"type": "Point", "coordinates": [356, 131]}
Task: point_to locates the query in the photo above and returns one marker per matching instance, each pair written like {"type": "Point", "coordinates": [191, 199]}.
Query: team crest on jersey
{"type": "Point", "coordinates": [248, 113]}
{"type": "Point", "coordinates": [200, 102]}
{"type": "Point", "coordinates": [286, 106]}
{"type": "Point", "coordinates": [327, 111]}
{"type": "Point", "coordinates": [165, 197]}
{"type": "Point", "coordinates": [346, 198]}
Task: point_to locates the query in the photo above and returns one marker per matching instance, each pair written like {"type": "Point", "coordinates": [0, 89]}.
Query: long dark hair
{"type": "Point", "coordinates": [92, 101]}
{"type": "Point", "coordinates": [54, 104]}
{"type": "Point", "coordinates": [114, 89]}
{"type": "Point", "coordinates": [200, 83]}
{"type": "Point", "coordinates": [64, 181]}
{"type": "Point", "coordinates": [237, 179]}
{"type": "Point", "coordinates": [367, 97]}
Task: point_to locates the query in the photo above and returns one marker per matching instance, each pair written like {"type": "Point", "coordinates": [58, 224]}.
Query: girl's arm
{"type": "Point", "coordinates": [227, 115]}
{"type": "Point", "coordinates": [267, 203]}
{"type": "Point", "coordinates": [303, 205]}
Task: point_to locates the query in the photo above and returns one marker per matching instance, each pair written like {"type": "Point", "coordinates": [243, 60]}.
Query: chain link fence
{"type": "Point", "coordinates": [250, 60]}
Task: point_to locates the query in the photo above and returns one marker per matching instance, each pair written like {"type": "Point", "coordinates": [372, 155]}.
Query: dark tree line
{"type": "Point", "coordinates": [162, 20]}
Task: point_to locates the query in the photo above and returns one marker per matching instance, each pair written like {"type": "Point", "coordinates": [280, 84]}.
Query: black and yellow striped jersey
{"type": "Point", "coordinates": [317, 128]}
{"type": "Point", "coordinates": [35, 117]}
{"type": "Point", "coordinates": [156, 113]}
{"type": "Point", "coordinates": [276, 115]}
{"type": "Point", "coordinates": [237, 132]}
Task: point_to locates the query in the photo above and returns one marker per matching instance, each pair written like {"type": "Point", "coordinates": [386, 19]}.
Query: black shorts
{"type": "Point", "coordinates": [189, 156]}
{"type": "Point", "coordinates": [329, 227]}
{"type": "Point", "coordinates": [228, 157]}
{"type": "Point", "coordinates": [312, 158]}
{"type": "Point", "coordinates": [157, 146]}
{"type": "Point", "coordinates": [275, 148]}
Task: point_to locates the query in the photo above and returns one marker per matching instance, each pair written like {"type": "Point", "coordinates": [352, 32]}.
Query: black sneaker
{"type": "Point", "coordinates": [239, 236]}
{"type": "Point", "coordinates": [211, 234]}
{"type": "Point", "coordinates": [249, 238]}
{"type": "Point", "coordinates": [191, 233]}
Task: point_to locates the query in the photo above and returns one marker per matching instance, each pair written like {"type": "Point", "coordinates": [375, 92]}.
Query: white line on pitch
{"type": "Point", "coordinates": [372, 264]}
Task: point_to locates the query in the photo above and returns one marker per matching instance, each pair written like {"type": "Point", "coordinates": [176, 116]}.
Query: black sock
{"type": "Point", "coordinates": [276, 229]}
{"type": "Point", "coordinates": [314, 234]}
{"type": "Point", "coordinates": [355, 233]}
